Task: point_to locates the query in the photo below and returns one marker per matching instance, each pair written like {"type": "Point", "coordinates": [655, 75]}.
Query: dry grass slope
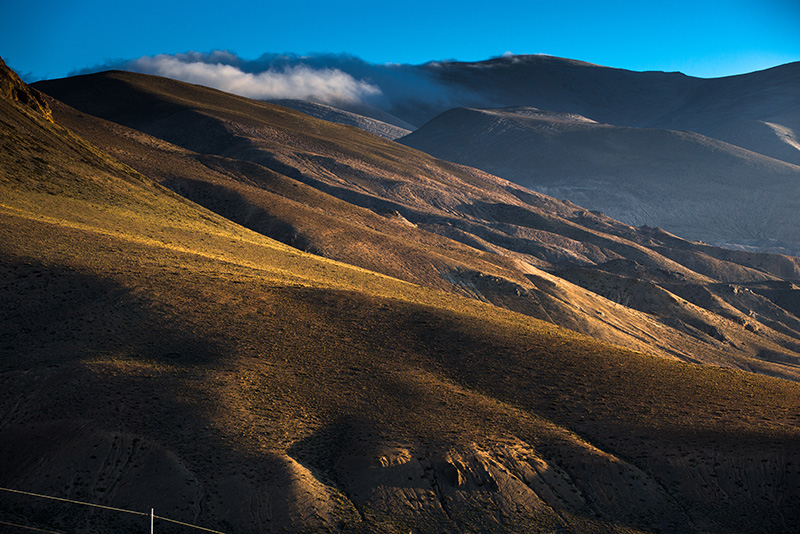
{"type": "Point", "coordinates": [153, 350]}
{"type": "Point", "coordinates": [346, 195]}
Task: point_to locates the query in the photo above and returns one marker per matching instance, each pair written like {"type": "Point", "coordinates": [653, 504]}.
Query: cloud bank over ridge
{"type": "Point", "coordinates": [224, 71]}
{"type": "Point", "coordinates": [334, 79]}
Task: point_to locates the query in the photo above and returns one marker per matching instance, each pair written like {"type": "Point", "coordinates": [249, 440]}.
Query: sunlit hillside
{"type": "Point", "coordinates": [159, 353]}
{"type": "Point", "coordinates": [347, 195]}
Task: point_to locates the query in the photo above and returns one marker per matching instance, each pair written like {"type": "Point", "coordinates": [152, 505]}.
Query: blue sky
{"type": "Point", "coordinates": [699, 38]}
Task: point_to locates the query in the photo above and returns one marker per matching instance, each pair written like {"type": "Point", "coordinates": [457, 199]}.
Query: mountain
{"type": "Point", "coordinates": [715, 150]}
{"type": "Point", "coordinates": [344, 194]}
{"type": "Point", "coordinates": [759, 111]}
{"type": "Point", "coordinates": [158, 353]}
{"type": "Point", "coordinates": [332, 114]}
{"type": "Point", "coordinates": [604, 94]}
{"type": "Point", "coordinates": [691, 185]}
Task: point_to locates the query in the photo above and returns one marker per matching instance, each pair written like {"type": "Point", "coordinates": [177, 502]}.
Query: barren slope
{"type": "Point", "coordinates": [691, 185]}
{"type": "Point", "coordinates": [157, 354]}
{"type": "Point", "coordinates": [339, 116]}
{"type": "Point", "coordinates": [604, 94]}
{"type": "Point", "coordinates": [759, 111]}
{"type": "Point", "coordinates": [350, 196]}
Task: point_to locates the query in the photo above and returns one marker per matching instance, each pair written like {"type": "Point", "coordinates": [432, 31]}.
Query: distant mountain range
{"type": "Point", "coordinates": [371, 203]}
{"type": "Point", "coordinates": [759, 111]}
{"type": "Point", "coordinates": [692, 185]}
{"type": "Point", "coordinates": [255, 320]}
{"type": "Point", "coordinates": [714, 160]}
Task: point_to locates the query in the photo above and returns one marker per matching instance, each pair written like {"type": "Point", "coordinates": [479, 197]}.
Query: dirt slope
{"type": "Point", "coordinates": [691, 185]}
{"type": "Point", "coordinates": [155, 353]}
{"type": "Point", "coordinates": [346, 195]}
{"type": "Point", "coordinates": [339, 116]}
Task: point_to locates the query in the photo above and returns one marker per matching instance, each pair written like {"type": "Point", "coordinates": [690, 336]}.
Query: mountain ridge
{"type": "Point", "coordinates": [329, 113]}
{"type": "Point", "coordinates": [13, 88]}
{"type": "Point", "coordinates": [694, 186]}
{"type": "Point", "coordinates": [152, 346]}
{"type": "Point", "coordinates": [482, 237]}
{"type": "Point", "coordinates": [657, 98]}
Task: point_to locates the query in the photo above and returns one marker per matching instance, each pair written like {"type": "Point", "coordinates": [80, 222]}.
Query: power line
{"type": "Point", "coordinates": [29, 528]}
{"type": "Point", "coordinates": [103, 507]}
{"type": "Point", "coordinates": [73, 502]}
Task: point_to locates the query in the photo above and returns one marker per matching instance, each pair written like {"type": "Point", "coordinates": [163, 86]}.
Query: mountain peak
{"type": "Point", "coordinates": [13, 88]}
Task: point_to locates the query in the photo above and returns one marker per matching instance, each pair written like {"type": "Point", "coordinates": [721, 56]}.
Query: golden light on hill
{"type": "Point", "coordinates": [266, 322]}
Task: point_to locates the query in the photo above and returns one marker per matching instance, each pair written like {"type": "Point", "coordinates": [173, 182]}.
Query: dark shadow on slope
{"type": "Point", "coordinates": [139, 439]}
{"type": "Point", "coordinates": [109, 97]}
{"type": "Point", "coordinates": [710, 420]}
{"type": "Point", "coordinates": [434, 420]}
{"type": "Point", "coordinates": [363, 200]}
{"type": "Point", "coordinates": [783, 294]}
{"type": "Point", "coordinates": [104, 392]}
{"type": "Point", "coordinates": [53, 315]}
{"type": "Point", "coordinates": [233, 206]}
{"type": "Point", "coordinates": [116, 100]}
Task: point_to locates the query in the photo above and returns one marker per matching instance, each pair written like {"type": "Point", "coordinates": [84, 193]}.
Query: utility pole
{"type": "Point", "coordinates": [152, 515]}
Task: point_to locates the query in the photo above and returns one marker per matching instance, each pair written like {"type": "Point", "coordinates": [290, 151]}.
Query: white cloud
{"type": "Point", "coordinates": [415, 93]}
{"type": "Point", "coordinates": [327, 85]}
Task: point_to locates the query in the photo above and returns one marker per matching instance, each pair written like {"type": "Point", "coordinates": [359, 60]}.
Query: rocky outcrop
{"type": "Point", "coordinates": [13, 88]}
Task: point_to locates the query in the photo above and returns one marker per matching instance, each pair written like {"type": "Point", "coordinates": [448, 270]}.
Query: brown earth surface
{"type": "Point", "coordinates": [157, 353]}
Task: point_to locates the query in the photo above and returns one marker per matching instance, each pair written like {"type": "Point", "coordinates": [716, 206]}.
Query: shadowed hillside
{"type": "Point", "coordinates": [156, 353]}
{"type": "Point", "coordinates": [759, 111]}
{"type": "Point", "coordinates": [626, 143]}
{"type": "Point", "coordinates": [691, 185]}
